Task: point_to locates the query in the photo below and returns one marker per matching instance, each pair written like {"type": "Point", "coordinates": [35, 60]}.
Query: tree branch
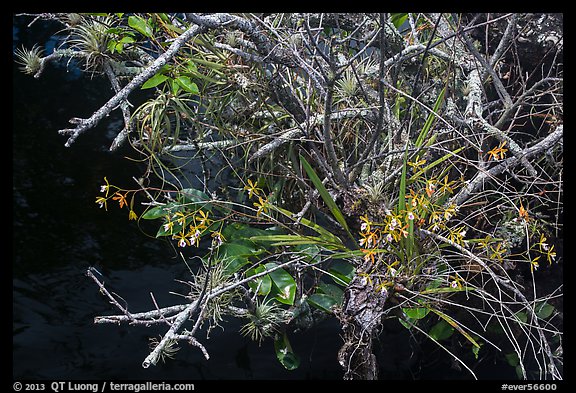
{"type": "Point", "coordinates": [85, 124]}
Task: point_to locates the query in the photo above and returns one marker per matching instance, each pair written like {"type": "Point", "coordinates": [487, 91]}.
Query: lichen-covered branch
{"type": "Point", "coordinates": [83, 125]}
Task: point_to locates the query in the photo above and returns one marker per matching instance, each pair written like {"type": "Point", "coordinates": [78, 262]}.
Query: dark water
{"type": "Point", "coordinates": [58, 232]}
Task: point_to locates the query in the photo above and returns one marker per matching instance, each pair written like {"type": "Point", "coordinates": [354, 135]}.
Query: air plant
{"type": "Point", "coordinates": [29, 59]}
{"type": "Point", "coordinates": [347, 86]}
{"type": "Point", "coordinates": [263, 321]}
{"type": "Point", "coordinates": [168, 351]}
{"type": "Point", "coordinates": [90, 38]}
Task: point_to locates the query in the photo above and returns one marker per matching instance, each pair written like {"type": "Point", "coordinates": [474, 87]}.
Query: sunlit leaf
{"type": "Point", "coordinates": [416, 313]}
{"type": "Point", "coordinates": [284, 284]}
{"type": "Point", "coordinates": [185, 83]}
{"type": "Point", "coordinates": [398, 19]}
{"type": "Point", "coordinates": [154, 81]}
{"type": "Point", "coordinates": [141, 25]}
{"type": "Point", "coordinates": [326, 197]}
{"type": "Point", "coordinates": [160, 211]}
{"type": "Point", "coordinates": [263, 284]}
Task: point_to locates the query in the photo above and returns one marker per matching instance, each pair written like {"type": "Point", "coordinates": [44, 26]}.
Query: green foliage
{"type": "Point", "coordinates": [326, 197]}
{"type": "Point", "coordinates": [141, 25]}
{"type": "Point", "coordinates": [283, 284]}
{"type": "Point", "coordinates": [285, 354]}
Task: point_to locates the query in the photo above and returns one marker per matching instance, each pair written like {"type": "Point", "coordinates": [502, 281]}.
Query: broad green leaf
{"type": "Point", "coordinates": [284, 284]}
{"type": "Point", "coordinates": [342, 272]}
{"type": "Point", "coordinates": [185, 83]}
{"type": "Point", "coordinates": [322, 301]}
{"type": "Point", "coordinates": [326, 197]}
{"type": "Point", "coordinates": [416, 313]}
{"type": "Point", "coordinates": [154, 81]}
{"type": "Point", "coordinates": [196, 197]}
{"type": "Point", "coordinates": [332, 290]}
{"type": "Point", "coordinates": [285, 354]}
{"type": "Point", "coordinates": [160, 211]}
{"type": "Point", "coordinates": [441, 331]}
{"type": "Point", "coordinates": [235, 255]}
{"type": "Point", "coordinates": [311, 251]}
{"type": "Point", "coordinates": [140, 25]}
{"type": "Point", "coordinates": [241, 231]}
{"type": "Point", "coordinates": [398, 19]}
{"type": "Point", "coordinates": [127, 40]}
{"type": "Point", "coordinates": [263, 283]}
{"type": "Point", "coordinates": [544, 310]}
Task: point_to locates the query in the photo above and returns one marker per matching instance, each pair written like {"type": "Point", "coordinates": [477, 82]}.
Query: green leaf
{"type": "Point", "coordinates": [160, 211]}
{"type": "Point", "coordinates": [342, 272]}
{"type": "Point", "coordinates": [326, 197]}
{"type": "Point", "coordinates": [185, 83]}
{"type": "Point", "coordinates": [433, 164]}
{"type": "Point", "coordinates": [456, 326]}
{"type": "Point", "coordinates": [141, 25]}
{"type": "Point", "coordinates": [284, 284]}
{"type": "Point", "coordinates": [310, 251]}
{"type": "Point", "coordinates": [522, 316]}
{"type": "Point", "coordinates": [398, 19]}
{"type": "Point", "coordinates": [241, 231]}
{"type": "Point", "coordinates": [322, 301]}
{"type": "Point", "coordinates": [192, 195]}
{"type": "Point", "coordinates": [416, 313]}
{"type": "Point", "coordinates": [324, 233]}
{"type": "Point", "coordinates": [544, 310]}
{"type": "Point", "coordinates": [329, 289]}
{"type": "Point", "coordinates": [289, 240]}
{"type": "Point", "coordinates": [174, 86]}
{"type": "Point", "coordinates": [512, 359]}
{"type": "Point", "coordinates": [441, 331]}
{"type": "Point", "coordinates": [127, 40]}
{"type": "Point", "coordinates": [191, 67]}
{"type": "Point", "coordinates": [285, 354]}
{"type": "Point", "coordinates": [263, 284]}
{"type": "Point", "coordinates": [235, 255]}
{"type": "Point", "coordinates": [154, 81]}
{"type": "Point", "coordinates": [430, 119]}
